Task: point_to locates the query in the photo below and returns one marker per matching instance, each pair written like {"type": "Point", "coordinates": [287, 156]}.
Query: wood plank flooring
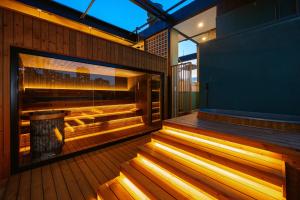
{"type": "Point", "coordinates": [273, 140]}
{"type": "Point", "coordinates": [75, 178]}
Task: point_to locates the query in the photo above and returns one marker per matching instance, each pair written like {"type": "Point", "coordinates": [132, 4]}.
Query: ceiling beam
{"type": "Point", "coordinates": [150, 8]}
{"type": "Point", "coordinates": [87, 9]}
{"type": "Point", "coordinates": [187, 57]}
{"type": "Point", "coordinates": [165, 12]}
{"type": "Point", "coordinates": [186, 36]}
{"type": "Point", "coordinates": [184, 13]}
{"type": "Point", "coordinates": [174, 6]}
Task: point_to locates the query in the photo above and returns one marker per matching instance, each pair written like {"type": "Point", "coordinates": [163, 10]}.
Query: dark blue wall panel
{"type": "Point", "coordinates": [253, 14]}
{"type": "Point", "coordinates": [256, 71]}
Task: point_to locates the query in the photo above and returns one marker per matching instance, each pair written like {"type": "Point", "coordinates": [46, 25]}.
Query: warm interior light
{"type": "Point", "coordinates": [136, 119]}
{"type": "Point", "coordinates": [78, 119]}
{"type": "Point", "coordinates": [40, 87]}
{"type": "Point", "coordinates": [221, 146]}
{"type": "Point", "coordinates": [24, 149]}
{"type": "Point", "coordinates": [201, 24]}
{"type": "Point", "coordinates": [58, 135]}
{"type": "Point", "coordinates": [133, 190]}
{"type": "Point", "coordinates": [212, 169]}
{"type": "Point", "coordinates": [101, 108]}
{"type": "Point", "coordinates": [88, 116]}
{"type": "Point", "coordinates": [69, 127]}
{"type": "Point", "coordinates": [79, 122]}
{"type": "Point", "coordinates": [93, 116]}
{"type": "Point", "coordinates": [103, 132]}
{"type": "Point", "coordinates": [204, 39]}
{"type": "Point", "coordinates": [179, 183]}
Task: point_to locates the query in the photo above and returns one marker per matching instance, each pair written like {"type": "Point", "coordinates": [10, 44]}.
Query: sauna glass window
{"type": "Point", "coordinates": [66, 106]}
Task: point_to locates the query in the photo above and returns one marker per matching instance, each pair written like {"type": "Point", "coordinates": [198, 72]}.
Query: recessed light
{"type": "Point", "coordinates": [200, 25]}
{"type": "Point", "coordinates": [39, 10]}
{"type": "Point", "coordinates": [204, 39]}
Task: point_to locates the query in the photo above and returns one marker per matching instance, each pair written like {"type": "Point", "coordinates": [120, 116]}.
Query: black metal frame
{"type": "Point", "coordinates": [14, 105]}
{"type": "Point", "coordinates": [179, 16]}
{"type": "Point", "coordinates": [188, 57]}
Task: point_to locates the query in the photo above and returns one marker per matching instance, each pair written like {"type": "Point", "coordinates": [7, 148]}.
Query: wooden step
{"type": "Point", "coordinates": [179, 164]}
{"type": "Point", "coordinates": [104, 192]}
{"type": "Point", "coordinates": [172, 184]}
{"type": "Point", "coordinates": [203, 170]}
{"type": "Point", "coordinates": [113, 190]}
{"type": "Point", "coordinates": [265, 174]}
{"type": "Point", "coordinates": [214, 187]}
{"type": "Point", "coordinates": [179, 170]}
{"type": "Point", "coordinates": [260, 159]}
{"type": "Point", "coordinates": [120, 192]}
{"type": "Point", "coordinates": [122, 188]}
{"type": "Point", "coordinates": [144, 183]}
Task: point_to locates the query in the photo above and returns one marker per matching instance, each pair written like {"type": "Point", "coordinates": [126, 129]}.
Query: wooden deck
{"type": "Point", "coordinates": [273, 140]}
{"type": "Point", "coordinates": [75, 178]}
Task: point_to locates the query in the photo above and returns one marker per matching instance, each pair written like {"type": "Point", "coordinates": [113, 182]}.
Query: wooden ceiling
{"type": "Point", "coordinates": [40, 62]}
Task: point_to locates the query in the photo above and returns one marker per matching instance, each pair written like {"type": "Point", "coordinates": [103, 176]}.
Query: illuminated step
{"type": "Point", "coordinates": [120, 188]}
{"type": "Point", "coordinates": [239, 166]}
{"type": "Point", "coordinates": [144, 183]}
{"type": "Point", "coordinates": [209, 171]}
{"type": "Point", "coordinates": [168, 181]}
{"type": "Point", "coordinates": [183, 187]}
{"type": "Point", "coordinates": [211, 186]}
{"type": "Point", "coordinates": [257, 158]}
{"type": "Point", "coordinates": [178, 164]}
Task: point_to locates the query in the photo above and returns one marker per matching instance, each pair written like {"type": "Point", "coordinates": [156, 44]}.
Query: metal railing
{"type": "Point", "coordinates": [182, 89]}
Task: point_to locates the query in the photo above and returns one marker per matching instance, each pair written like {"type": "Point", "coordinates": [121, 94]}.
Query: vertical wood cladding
{"type": "Point", "coordinates": [24, 31]}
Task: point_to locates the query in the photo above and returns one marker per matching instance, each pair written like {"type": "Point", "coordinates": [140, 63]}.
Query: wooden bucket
{"type": "Point", "coordinates": [46, 134]}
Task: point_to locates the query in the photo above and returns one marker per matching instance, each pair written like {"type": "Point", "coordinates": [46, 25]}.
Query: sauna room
{"type": "Point", "coordinates": [65, 106]}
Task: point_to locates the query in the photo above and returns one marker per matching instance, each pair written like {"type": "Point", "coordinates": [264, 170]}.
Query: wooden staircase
{"type": "Point", "coordinates": [178, 164]}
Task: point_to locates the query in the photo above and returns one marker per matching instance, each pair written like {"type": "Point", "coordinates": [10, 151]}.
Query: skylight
{"type": "Point", "coordinates": [122, 13]}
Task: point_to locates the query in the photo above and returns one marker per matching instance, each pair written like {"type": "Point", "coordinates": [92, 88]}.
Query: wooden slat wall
{"type": "Point", "coordinates": [20, 30]}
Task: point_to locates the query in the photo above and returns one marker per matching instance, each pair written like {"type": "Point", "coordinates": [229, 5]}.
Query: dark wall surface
{"type": "Point", "coordinates": [257, 71]}
{"type": "Point", "coordinates": [235, 16]}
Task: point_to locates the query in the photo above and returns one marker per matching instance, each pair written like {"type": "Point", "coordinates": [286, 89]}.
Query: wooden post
{"type": "Point", "coordinates": [292, 181]}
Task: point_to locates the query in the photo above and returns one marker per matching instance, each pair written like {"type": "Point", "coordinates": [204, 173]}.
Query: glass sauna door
{"type": "Point", "coordinates": [67, 106]}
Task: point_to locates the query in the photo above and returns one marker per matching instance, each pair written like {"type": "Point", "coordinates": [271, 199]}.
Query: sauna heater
{"type": "Point", "coordinates": [61, 105]}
